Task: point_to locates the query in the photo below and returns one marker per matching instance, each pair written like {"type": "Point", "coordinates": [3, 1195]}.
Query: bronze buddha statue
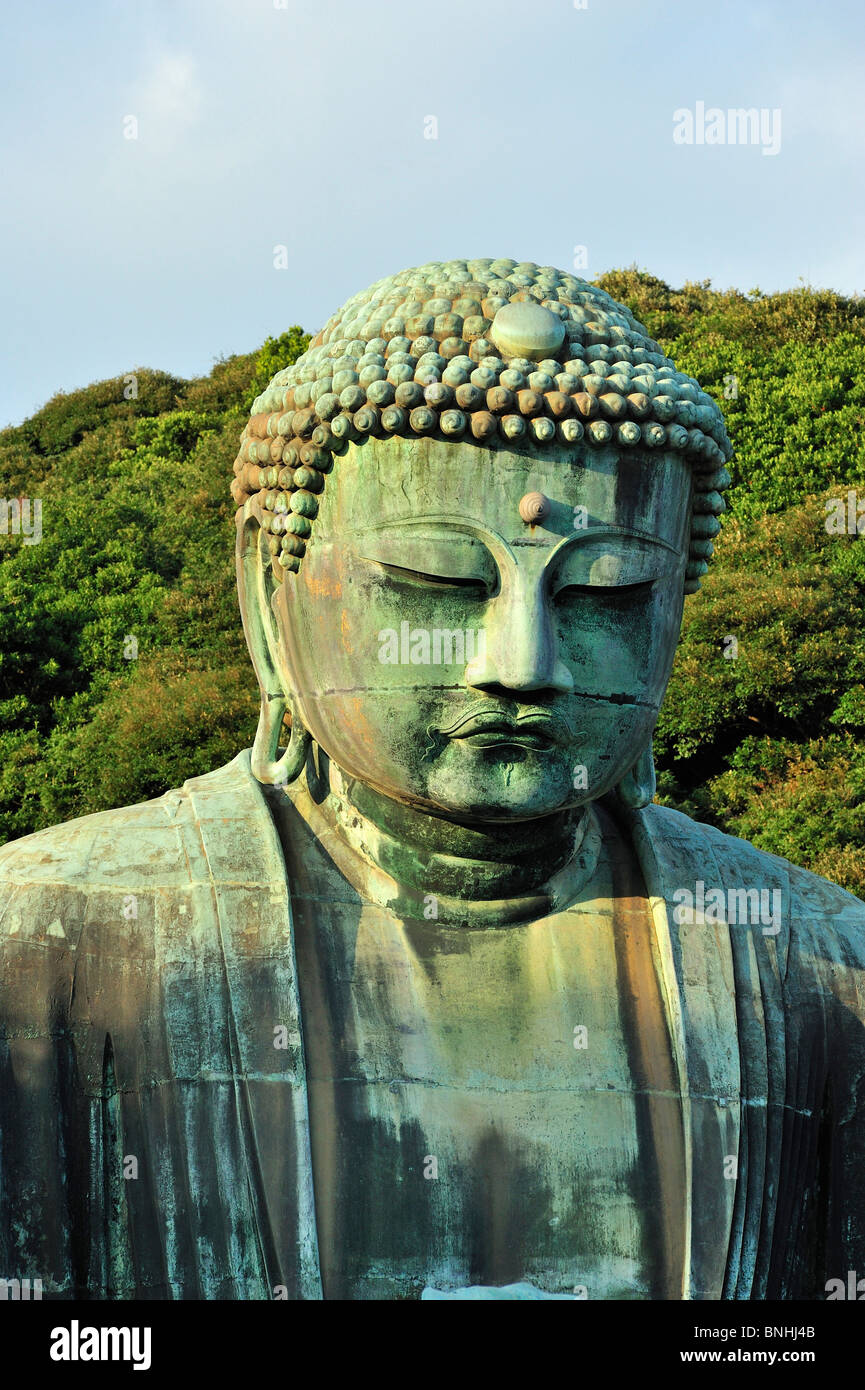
{"type": "Point", "coordinates": [404, 1001]}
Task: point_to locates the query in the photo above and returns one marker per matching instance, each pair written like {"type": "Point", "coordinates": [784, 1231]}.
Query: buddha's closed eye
{"type": "Point", "coordinates": [469, 583]}
{"type": "Point", "coordinates": [636, 590]}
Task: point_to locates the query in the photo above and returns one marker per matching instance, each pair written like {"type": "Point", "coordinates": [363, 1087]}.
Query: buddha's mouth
{"type": "Point", "coordinates": [491, 728]}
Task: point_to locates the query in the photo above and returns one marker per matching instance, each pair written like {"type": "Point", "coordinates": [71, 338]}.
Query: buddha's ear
{"type": "Point", "coordinates": [256, 587]}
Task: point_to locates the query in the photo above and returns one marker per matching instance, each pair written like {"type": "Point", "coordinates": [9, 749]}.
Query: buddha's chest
{"type": "Point", "coordinates": [490, 1107]}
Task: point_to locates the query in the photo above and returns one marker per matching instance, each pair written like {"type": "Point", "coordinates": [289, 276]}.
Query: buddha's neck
{"type": "Point", "coordinates": [428, 866]}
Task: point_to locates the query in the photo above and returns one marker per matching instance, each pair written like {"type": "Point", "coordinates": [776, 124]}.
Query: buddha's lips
{"type": "Point", "coordinates": [536, 728]}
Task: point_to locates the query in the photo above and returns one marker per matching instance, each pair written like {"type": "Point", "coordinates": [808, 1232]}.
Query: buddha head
{"type": "Point", "coordinates": [468, 517]}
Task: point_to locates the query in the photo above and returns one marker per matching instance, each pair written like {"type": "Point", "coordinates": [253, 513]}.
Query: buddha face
{"type": "Point", "coordinates": [457, 658]}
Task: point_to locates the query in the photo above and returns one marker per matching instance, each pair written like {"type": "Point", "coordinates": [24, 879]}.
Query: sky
{"type": "Point", "coordinates": [182, 178]}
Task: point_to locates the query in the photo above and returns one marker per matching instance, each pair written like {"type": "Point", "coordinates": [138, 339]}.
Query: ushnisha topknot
{"type": "Point", "coordinates": [482, 350]}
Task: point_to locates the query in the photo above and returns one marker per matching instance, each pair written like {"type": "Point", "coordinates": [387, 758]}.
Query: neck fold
{"type": "Point", "coordinates": [426, 866]}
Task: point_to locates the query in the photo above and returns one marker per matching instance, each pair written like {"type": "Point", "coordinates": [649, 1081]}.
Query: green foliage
{"type": "Point", "coordinates": [124, 615]}
{"type": "Point", "coordinates": [788, 370]}
{"type": "Point", "coordinates": [767, 693]}
{"type": "Point", "coordinates": [68, 417]}
{"type": "Point", "coordinates": [760, 322]}
{"type": "Point", "coordinates": [172, 436]}
{"type": "Point", "coordinates": [760, 736]}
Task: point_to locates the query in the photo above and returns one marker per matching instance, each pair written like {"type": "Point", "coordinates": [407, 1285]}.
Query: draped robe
{"type": "Point", "coordinates": [154, 1142]}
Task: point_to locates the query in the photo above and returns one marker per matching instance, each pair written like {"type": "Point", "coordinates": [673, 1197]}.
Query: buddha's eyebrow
{"type": "Point", "coordinates": [497, 543]}
{"type": "Point", "coordinates": [592, 533]}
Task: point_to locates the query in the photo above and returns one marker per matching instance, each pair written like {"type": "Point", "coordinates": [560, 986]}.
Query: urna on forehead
{"type": "Point", "coordinates": [489, 352]}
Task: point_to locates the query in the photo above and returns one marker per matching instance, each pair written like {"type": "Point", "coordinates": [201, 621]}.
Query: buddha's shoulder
{"type": "Point", "coordinates": [149, 845]}
{"type": "Point", "coordinates": [809, 904]}
{"type": "Point", "coordinates": [90, 908]}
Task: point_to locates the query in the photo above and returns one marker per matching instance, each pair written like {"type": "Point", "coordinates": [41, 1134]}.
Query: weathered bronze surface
{"type": "Point", "coordinates": [422, 996]}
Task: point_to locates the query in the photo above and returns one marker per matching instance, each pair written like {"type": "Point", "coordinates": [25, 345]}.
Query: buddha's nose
{"type": "Point", "coordinates": [518, 649]}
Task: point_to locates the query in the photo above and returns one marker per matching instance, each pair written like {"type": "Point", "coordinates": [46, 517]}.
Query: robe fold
{"type": "Point", "coordinates": [154, 1126]}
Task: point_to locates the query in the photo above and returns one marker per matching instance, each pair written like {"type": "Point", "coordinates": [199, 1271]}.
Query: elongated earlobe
{"type": "Point", "coordinates": [256, 588]}
{"type": "Point", "coordinates": [637, 787]}
{"type": "Point", "coordinates": [267, 765]}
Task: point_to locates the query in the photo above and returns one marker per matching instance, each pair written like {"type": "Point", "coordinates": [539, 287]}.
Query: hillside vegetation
{"type": "Point", "coordinates": [122, 664]}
